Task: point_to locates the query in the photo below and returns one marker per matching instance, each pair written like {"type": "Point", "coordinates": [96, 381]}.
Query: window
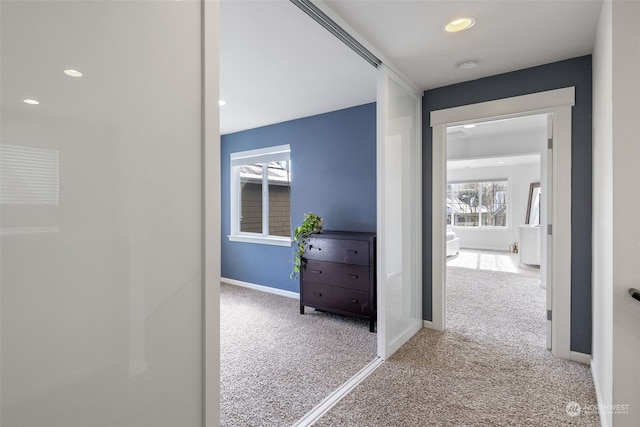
{"type": "Point", "coordinates": [260, 196]}
{"type": "Point", "coordinates": [28, 175]}
{"type": "Point", "coordinates": [477, 203]}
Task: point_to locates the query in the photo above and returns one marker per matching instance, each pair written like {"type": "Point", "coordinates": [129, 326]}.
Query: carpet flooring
{"type": "Point", "coordinates": [490, 368]}
{"type": "Point", "coordinates": [276, 364]}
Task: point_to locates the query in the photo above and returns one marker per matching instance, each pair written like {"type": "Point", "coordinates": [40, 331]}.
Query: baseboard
{"type": "Point", "coordinates": [427, 324]}
{"type": "Point", "coordinates": [487, 248]}
{"type": "Point", "coordinates": [580, 357]}
{"type": "Point", "coordinates": [261, 288]}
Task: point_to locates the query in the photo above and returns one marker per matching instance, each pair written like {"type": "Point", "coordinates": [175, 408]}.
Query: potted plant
{"type": "Point", "coordinates": [312, 224]}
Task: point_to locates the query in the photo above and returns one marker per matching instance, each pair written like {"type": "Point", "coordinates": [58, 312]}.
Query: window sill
{"type": "Point", "coordinates": [262, 240]}
{"type": "Point", "coordinates": [486, 228]}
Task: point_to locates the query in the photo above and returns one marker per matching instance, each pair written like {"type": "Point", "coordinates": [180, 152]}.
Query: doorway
{"type": "Point", "coordinates": [494, 240]}
{"type": "Point", "coordinates": [559, 103]}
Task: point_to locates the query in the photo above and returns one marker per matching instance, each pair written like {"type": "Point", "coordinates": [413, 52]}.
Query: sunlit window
{"type": "Point", "coordinates": [477, 203]}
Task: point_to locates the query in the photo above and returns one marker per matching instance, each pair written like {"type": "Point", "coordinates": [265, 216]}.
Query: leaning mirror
{"type": "Point", "coordinates": [533, 206]}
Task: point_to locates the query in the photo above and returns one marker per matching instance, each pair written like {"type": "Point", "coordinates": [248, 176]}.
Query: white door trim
{"type": "Point", "coordinates": [558, 102]}
{"type": "Point", "coordinates": [210, 213]}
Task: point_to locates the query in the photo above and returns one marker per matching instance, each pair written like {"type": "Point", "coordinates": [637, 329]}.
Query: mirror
{"type": "Point", "coordinates": [533, 207]}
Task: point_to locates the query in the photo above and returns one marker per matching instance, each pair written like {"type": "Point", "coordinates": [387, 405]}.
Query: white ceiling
{"type": "Point", "coordinates": [503, 127]}
{"type": "Point", "coordinates": [492, 162]}
{"type": "Point", "coordinates": [277, 64]}
{"type": "Point", "coordinates": [511, 126]}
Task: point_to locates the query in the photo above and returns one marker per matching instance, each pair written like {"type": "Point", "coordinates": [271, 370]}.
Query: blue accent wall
{"type": "Point", "coordinates": [333, 174]}
{"type": "Point", "coordinates": [573, 72]}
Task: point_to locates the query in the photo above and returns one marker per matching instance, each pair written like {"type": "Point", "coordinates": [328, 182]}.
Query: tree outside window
{"type": "Point", "coordinates": [477, 203]}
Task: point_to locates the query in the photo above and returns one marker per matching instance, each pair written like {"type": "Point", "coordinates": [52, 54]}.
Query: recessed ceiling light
{"type": "Point", "coordinates": [460, 24]}
{"type": "Point", "coordinates": [221, 102]}
{"type": "Point", "coordinates": [31, 102]}
{"type": "Point", "coordinates": [501, 163]}
{"type": "Point", "coordinates": [467, 64]}
{"type": "Point", "coordinates": [73, 73]}
{"type": "Point", "coordinates": [469, 126]}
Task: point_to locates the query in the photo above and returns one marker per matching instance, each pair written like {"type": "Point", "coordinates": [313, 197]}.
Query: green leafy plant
{"type": "Point", "coordinates": [312, 224]}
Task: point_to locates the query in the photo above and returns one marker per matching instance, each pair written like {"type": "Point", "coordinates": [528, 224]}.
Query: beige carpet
{"type": "Point", "coordinates": [490, 368]}
{"type": "Point", "coordinates": [276, 364]}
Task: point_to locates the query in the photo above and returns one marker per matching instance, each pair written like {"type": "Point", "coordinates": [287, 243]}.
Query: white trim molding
{"type": "Point", "coordinates": [261, 288]}
{"type": "Point", "coordinates": [260, 240]}
{"type": "Point", "coordinates": [583, 358]}
{"type": "Point", "coordinates": [559, 103]}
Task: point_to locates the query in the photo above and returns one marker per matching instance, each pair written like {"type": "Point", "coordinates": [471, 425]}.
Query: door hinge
{"type": "Point", "coordinates": [550, 143]}
{"type": "Point", "coordinates": [549, 316]}
{"type": "Point", "coordinates": [549, 229]}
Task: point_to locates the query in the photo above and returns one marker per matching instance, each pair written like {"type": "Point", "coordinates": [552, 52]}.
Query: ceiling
{"type": "Point", "coordinates": [511, 126]}
{"type": "Point", "coordinates": [277, 64]}
{"type": "Point", "coordinates": [491, 162]}
{"type": "Point", "coordinates": [503, 127]}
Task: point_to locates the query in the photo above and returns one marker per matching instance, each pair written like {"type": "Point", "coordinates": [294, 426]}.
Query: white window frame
{"type": "Point", "coordinates": [480, 226]}
{"type": "Point", "coordinates": [262, 155]}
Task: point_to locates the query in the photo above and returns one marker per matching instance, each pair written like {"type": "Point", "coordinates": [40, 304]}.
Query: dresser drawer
{"type": "Point", "coordinates": [334, 298]}
{"type": "Point", "coordinates": [337, 250]}
{"type": "Point", "coordinates": [344, 275]}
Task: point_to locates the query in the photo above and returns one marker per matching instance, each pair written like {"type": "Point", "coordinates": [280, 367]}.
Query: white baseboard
{"type": "Point", "coordinates": [427, 324]}
{"type": "Point", "coordinates": [486, 248]}
{"type": "Point", "coordinates": [580, 357]}
{"type": "Point", "coordinates": [262, 288]}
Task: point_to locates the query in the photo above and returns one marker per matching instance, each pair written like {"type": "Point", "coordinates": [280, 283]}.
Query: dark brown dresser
{"type": "Point", "coordinates": [338, 274]}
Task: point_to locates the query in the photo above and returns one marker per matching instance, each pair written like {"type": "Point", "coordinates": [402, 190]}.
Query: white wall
{"type": "Point", "coordinates": [101, 318]}
{"type": "Point", "coordinates": [520, 178]}
{"type": "Point", "coordinates": [616, 316]}
{"type": "Point", "coordinates": [601, 364]}
{"type": "Point", "coordinates": [626, 205]}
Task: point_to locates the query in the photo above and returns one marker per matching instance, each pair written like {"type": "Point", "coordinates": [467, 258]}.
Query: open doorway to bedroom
{"type": "Point", "coordinates": [496, 171]}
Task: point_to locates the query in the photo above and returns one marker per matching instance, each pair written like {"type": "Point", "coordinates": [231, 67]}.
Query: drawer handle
{"type": "Point", "coordinates": [311, 248]}
{"type": "Point", "coordinates": [318, 294]}
{"type": "Point", "coordinates": [352, 301]}
{"type": "Point", "coordinates": [316, 271]}
{"type": "Point", "coordinates": [352, 276]}
{"type": "Point", "coordinates": [352, 251]}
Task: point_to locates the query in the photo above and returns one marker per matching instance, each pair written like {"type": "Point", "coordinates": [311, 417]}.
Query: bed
{"type": "Point", "coordinates": [453, 243]}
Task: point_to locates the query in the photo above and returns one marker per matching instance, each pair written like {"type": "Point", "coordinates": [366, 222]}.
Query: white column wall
{"type": "Point", "coordinates": [603, 212]}
{"type": "Point", "coordinates": [616, 341]}
{"type": "Point", "coordinates": [626, 232]}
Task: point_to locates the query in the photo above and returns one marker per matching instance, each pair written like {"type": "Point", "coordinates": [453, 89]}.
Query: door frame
{"type": "Point", "coordinates": [558, 102]}
{"type": "Point", "coordinates": [210, 152]}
